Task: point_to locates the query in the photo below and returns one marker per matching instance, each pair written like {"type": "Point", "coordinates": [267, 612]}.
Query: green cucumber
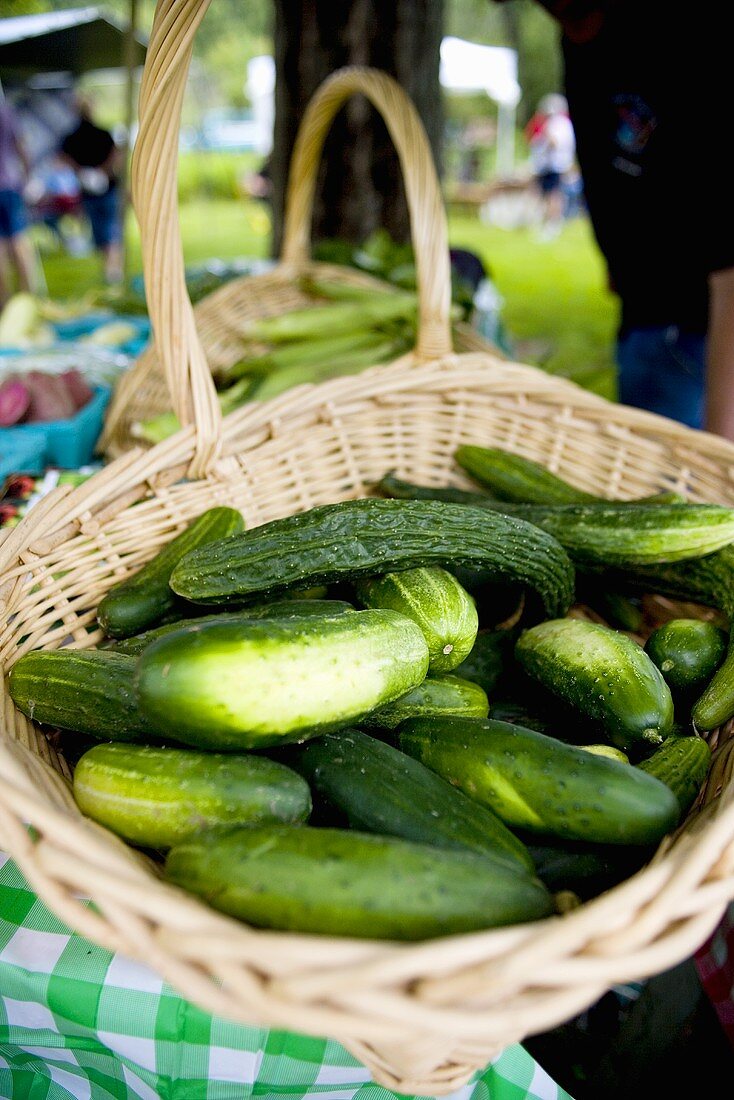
{"type": "Point", "coordinates": [345, 883]}
{"type": "Point", "coordinates": [488, 658]}
{"type": "Point", "coordinates": [381, 790]}
{"type": "Point", "coordinates": [436, 695]}
{"type": "Point", "coordinates": [540, 784]}
{"type": "Point", "coordinates": [158, 797]}
{"type": "Point", "coordinates": [397, 489]}
{"type": "Point", "coordinates": [514, 478]}
{"type": "Point", "coordinates": [607, 750]}
{"type": "Point", "coordinates": [86, 690]}
{"type": "Point", "coordinates": [586, 869]}
{"type": "Point", "coordinates": [254, 683]}
{"type": "Point", "coordinates": [687, 652]}
{"type": "Point", "coordinates": [603, 674]}
{"type": "Point", "coordinates": [278, 609]}
{"type": "Point", "coordinates": [433, 599]}
{"type": "Point", "coordinates": [145, 598]}
{"type": "Point", "coordinates": [682, 764]}
{"type": "Point", "coordinates": [360, 538]}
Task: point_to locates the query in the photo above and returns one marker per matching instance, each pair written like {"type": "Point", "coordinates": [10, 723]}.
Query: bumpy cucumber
{"type": "Point", "coordinates": [158, 797]}
{"type": "Point", "coordinates": [514, 478]}
{"type": "Point", "coordinates": [687, 652]}
{"type": "Point", "coordinates": [278, 609]}
{"type": "Point", "coordinates": [433, 599]}
{"type": "Point", "coordinates": [360, 538]}
{"type": "Point", "coordinates": [603, 674]}
{"type": "Point", "coordinates": [381, 790]}
{"type": "Point", "coordinates": [86, 690]}
{"type": "Point", "coordinates": [145, 598]}
{"type": "Point", "coordinates": [263, 682]}
{"type": "Point", "coordinates": [540, 784]}
{"type": "Point", "coordinates": [682, 763]}
{"type": "Point", "coordinates": [353, 884]}
{"type": "Point", "coordinates": [436, 695]}
{"type": "Point", "coordinates": [488, 658]}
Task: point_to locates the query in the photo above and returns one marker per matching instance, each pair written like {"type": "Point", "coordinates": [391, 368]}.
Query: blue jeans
{"type": "Point", "coordinates": [663, 370]}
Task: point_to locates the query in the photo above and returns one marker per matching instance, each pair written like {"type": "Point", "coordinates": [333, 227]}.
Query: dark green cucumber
{"type": "Point", "coordinates": [488, 658]}
{"type": "Point", "coordinates": [682, 764]}
{"type": "Point", "coordinates": [586, 869]}
{"type": "Point", "coordinates": [603, 674]}
{"type": "Point", "coordinates": [360, 538]}
{"type": "Point", "coordinates": [616, 608]}
{"type": "Point", "coordinates": [540, 784]}
{"type": "Point", "coordinates": [513, 478]}
{"type": "Point", "coordinates": [86, 690]}
{"type": "Point", "coordinates": [710, 581]}
{"type": "Point", "coordinates": [687, 652]}
{"type": "Point", "coordinates": [519, 480]}
{"type": "Point", "coordinates": [621, 533]}
{"type": "Point", "coordinates": [278, 609]}
{"type": "Point", "coordinates": [145, 598]}
{"type": "Point", "coordinates": [381, 790]}
{"type": "Point", "coordinates": [254, 683]}
{"type": "Point", "coordinates": [436, 695]}
{"type": "Point", "coordinates": [158, 797]}
{"type": "Point", "coordinates": [433, 599]}
{"type": "Point", "coordinates": [397, 489]}
{"type": "Point", "coordinates": [345, 883]}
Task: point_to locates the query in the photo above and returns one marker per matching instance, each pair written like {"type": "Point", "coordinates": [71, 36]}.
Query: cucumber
{"type": "Point", "coordinates": [604, 675]}
{"type": "Point", "coordinates": [397, 489]}
{"type": "Point", "coordinates": [433, 599]}
{"type": "Point", "coordinates": [488, 658]}
{"type": "Point", "coordinates": [365, 537]}
{"type": "Point", "coordinates": [158, 797]}
{"type": "Point", "coordinates": [540, 784]}
{"type": "Point", "coordinates": [145, 598]}
{"type": "Point", "coordinates": [514, 478]}
{"type": "Point", "coordinates": [86, 690]}
{"type": "Point", "coordinates": [607, 750]}
{"type": "Point", "coordinates": [436, 695]}
{"type": "Point", "coordinates": [682, 763]}
{"type": "Point", "coordinates": [587, 869]}
{"type": "Point", "coordinates": [254, 683]}
{"type": "Point", "coordinates": [519, 480]}
{"type": "Point", "coordinates": [381, 790]}
{"type": "Point", "coordinates": [278, 609]}
{"type": "Point", "coordinates": [345, 883]}
{"type": "Point", "coordinates": [687, 652]}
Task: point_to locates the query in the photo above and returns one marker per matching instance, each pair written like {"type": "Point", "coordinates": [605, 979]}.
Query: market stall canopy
{"type": "Point", "coordinates": [469, 67]}
{"type": "Point", "coordinates": [76, 41]}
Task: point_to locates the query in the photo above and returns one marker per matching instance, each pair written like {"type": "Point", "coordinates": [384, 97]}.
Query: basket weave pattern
{"type": "Point", "coordinates": [423, 1017]}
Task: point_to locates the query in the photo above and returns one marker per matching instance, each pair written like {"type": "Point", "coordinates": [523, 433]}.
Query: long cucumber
{"type": "Point", "coordinates": [366, 537]}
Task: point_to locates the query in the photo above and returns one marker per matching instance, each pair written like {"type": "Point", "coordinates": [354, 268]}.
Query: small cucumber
{"type": "Point", "coordinates": [363, 538]}
{"type": "Point", "coordinates": [540, 784]}
{"type": "Point", "coordinates": [514, 478]}
{"type": "Point", "coordinates": [146, 597]}
{"type": "Point", "coordinates": [603, 674]}
{"type": "Point", "coordinates": [345, 883]}
{"type": "Point", "coordinates": [278, 609]}
{"type": "Point", "coordinates": [436, 695]}
{"type": "Point", "coordinates": [433, 599]}
{"type": "Point", "coordinates": [687, 652]}
{"type": "Point", "coordinates": [607, 750]}
{"type": "Point", "coordinates": [254, 683]}
{"type": "Point", "coordinates": [488, 658]}
{"type": "Point", "coordinates": [682, 763]}
{"type": "Point", "coordinates": [587, 869]}
{"type": "Point", "coordinates": [158, 797]}
{"type": "Point", "coordinates": [381, 790]}
{"type": "Point", "coordinates": [86, 690]}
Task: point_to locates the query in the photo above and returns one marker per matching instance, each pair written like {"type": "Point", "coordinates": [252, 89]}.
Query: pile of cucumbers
{"type": "Point", "coordinates": [378, 719]}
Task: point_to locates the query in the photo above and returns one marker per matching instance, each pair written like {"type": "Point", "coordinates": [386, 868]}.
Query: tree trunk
{"type": "Point", "coordinates": [360, 187]}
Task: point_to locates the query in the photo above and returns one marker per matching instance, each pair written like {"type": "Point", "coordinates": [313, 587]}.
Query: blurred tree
{"type": "Point", "coordinates": [359, 186]}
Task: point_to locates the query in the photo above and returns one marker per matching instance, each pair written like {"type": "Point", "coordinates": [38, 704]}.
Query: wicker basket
{"type": "Point", "coordinates": [422, 1016]}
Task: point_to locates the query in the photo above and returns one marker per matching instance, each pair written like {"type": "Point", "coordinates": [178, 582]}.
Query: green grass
{"type": "Point", "coordinates": [557, 308]}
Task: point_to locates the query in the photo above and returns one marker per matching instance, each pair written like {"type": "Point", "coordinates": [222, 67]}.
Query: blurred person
{"type": "Point", "coordinates": [645, 87]}
{"type": "Point", "coordinates": [92, 152]}
{"type": "Point", "coordinates": [552, 150]}
{"type": "Point", "coordinates": [16, 253]}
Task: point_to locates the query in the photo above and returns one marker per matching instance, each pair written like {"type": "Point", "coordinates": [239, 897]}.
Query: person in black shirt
{"type": "Point", "coordinates": [646, 98]}
{"type": "Point", "coordinates": [94, 156]}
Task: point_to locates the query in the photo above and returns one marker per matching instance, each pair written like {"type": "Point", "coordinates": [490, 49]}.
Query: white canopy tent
{"type": "Point", "coordinates": [468, 67]}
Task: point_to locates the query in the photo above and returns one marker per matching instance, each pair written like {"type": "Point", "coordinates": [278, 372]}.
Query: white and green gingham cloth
{"type": "Point", "coordinates": [80, 1023]}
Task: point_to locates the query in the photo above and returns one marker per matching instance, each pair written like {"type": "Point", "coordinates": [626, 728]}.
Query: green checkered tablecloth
{"type": "Point", "coordinates": [80, 1023]}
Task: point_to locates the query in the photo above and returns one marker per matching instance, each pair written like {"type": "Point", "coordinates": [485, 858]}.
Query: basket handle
{"type": "Point", "coordinates": [429, 230]}
{"type": "Point", "coordinates": [154, 176]}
